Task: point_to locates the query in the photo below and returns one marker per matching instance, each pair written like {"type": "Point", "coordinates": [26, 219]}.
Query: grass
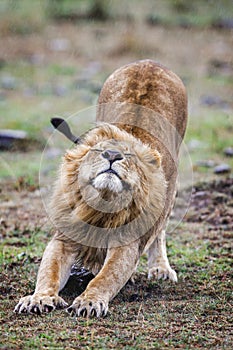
{"type": "Point", "coordinates": [37, 94]}
{"type": "Point", "coordinates": [18, 19]}
{"type": "Point", "coordinates": [199, 14]}
{"type": "Point", "coordinates": [195, 312]}
{"type": "Point", "coordinates": [214, 134]}
{"type": "Point", "coordinates": [18, 165]}
{"type": "Point", "coordinates": [214, 131]}
{"type": "Point", "coordinates": [41, 90]}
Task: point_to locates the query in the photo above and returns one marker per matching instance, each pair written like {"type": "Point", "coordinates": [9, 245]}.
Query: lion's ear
{"type": "Point", "coordinates": [157, 159]}
{"type": "Point", "coordinates": [62, 126]}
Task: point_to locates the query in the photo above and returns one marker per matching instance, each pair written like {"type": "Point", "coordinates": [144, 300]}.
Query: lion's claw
{"type": "Point", "coordinates": [86, 308]}
{"type": "Point", "coordinates": [162, 272]}
{"type": "Point", "coordinates": [38, 304]}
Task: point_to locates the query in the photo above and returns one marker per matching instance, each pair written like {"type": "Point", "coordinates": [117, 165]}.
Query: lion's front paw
{"type": "Point", "coordinates": [37, 304]}
{"type": "Point", "coordinates": [88, 307]}
{"type": "Point", "coordinates": [162, 271]}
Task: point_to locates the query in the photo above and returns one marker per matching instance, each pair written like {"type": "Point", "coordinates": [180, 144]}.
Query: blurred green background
{"type": "Point", "coordinates": [56, 54]}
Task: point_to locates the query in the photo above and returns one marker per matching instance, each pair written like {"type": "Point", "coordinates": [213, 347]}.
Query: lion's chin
{"type": "Point", "coordinates": [109, 182]}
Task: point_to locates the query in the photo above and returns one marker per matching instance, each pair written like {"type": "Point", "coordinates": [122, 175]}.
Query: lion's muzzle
{"type": "Point", "coordinates": [109, 178]}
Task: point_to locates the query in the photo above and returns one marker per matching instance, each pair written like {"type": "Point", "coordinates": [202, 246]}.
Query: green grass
{"type": "Point", "coordinates": [20, 19]}
{"type": "Point", "coordinates": [35, 98]}
{"type": "Point", "coordinates": [14, 166]}
{"type": "Point", "coordinates": [43, 90]}
{"type": "Point", "coordinates": [194, 312]}
{"type": "Point", "coordinates": [213, 129]}
{"type": "Point", "coordinates": [23, 18]}
{"type": "Point", "coordinates": [199, 13]}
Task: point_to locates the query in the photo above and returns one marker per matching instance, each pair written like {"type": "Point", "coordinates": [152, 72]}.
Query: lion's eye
{"type": "Point", "coordinates": [96, 150]}
{"type": "Point", "coordinates": [129, 154]}
{"type": "Point", "coordinates": [153, 161]}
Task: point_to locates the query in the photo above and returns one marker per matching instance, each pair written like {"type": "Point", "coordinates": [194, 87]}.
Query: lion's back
{"type": "Point", "coordinates": [152, 86]}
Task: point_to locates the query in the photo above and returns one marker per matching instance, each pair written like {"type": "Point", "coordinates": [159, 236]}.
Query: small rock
{"type": "Point", "coordinates": [205, 163]}
{"type": "Point", "coordinates": [228, 151]}
{"type": "Point", "coordinates": [216, 64]}
{"type": "Point", "coordinates": [21, 255]}
{"type": "Point", "coordinates": [53, 153]}
{"type": "Point", "coordinates": [59, 44]}
{"type": "Point", "coordinates": [60, 90]}
{"type": "Point", "coordinates": [17, 139]}
{"type": "Point", "coordinates": [219, 197]}
{"type": "Point", "coordinates": [37, 59]}
{"type": "Point", "coordinates": [8, 82]}
{"type": "Point", "coordinates": [9, 137]}
{"type": "Point", "coordinates": [199, 194]}
{"type": "Point", "coordinates": [195, 144]}
{"type": "Point", "coordinates": [222, 169]}
{"type": "Point", "coordinates": [213, 101]}
{"type": "Point", "coordinates": [153, 20]}
{"type": "Point", "coordinates": [224, 23]}
{"type": "Point", "coordinates": [91, 70]}
{"type": "Point", "coordinates": [30, 92]}
{"type": "Point", "coordinates": [18, 134]}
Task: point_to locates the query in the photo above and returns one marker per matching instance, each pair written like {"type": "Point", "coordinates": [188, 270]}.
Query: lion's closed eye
{"type": "Point", "coordinates": [101, 150]}
{"type": "Point", "coordinates": [153, 161]}
{"type": "Point", "coordinates": [129, 154]}
{"type": "Point", "coordinates": [97, 150]}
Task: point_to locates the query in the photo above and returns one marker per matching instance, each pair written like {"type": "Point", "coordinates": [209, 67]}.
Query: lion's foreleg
{"type": "Point", "coordinates": [118, 267]}
{"type": "Point", "coordinates": [158, 263]}
{"type": "Point", "coordinates": [52, 276]}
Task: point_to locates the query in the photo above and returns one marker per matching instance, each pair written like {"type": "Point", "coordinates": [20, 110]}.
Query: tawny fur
{"type": "Point", "coordinates": [102, 221]}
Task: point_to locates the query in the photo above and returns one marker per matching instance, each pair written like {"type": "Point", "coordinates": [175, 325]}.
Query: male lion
{"type": "Point", "coordinates": [115, 191]}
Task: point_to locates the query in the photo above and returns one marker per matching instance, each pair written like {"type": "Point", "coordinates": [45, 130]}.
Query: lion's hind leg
{"type": "Point", "coordinates": [158, 264]}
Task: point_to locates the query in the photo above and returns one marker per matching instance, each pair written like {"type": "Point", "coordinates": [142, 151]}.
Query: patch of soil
{"type": "Point", "coordinates": [212, 202]}
{"type": "Point", "coordinates": [21, 208]}
{"type": "Point", "coordinates": [22, 211]}
{"type": "Point", "coordinates": [199, 305]}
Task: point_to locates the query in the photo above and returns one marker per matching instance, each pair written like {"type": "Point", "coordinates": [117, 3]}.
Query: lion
{"type": "Point", "coordinates": [115, 191]}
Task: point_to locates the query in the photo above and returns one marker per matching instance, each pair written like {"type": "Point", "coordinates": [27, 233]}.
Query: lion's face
{"type": "Point", "coordinates": [117, 166]}
{"type": "Point", "coordinates": [112, 166]}
{"type": "Point", "coordinates": [111, 170]}
{"type": "Point", "coordinates": [109, 180]}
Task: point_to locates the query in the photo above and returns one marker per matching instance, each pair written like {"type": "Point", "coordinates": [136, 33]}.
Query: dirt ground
{"type": "Point", "coordinates": [194, 313]}
{"type": "Point", "coordinates": [197, 311]}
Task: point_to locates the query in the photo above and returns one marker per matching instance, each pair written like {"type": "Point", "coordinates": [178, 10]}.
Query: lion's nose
{"type": "Point", "coordinates": [112, 155]}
